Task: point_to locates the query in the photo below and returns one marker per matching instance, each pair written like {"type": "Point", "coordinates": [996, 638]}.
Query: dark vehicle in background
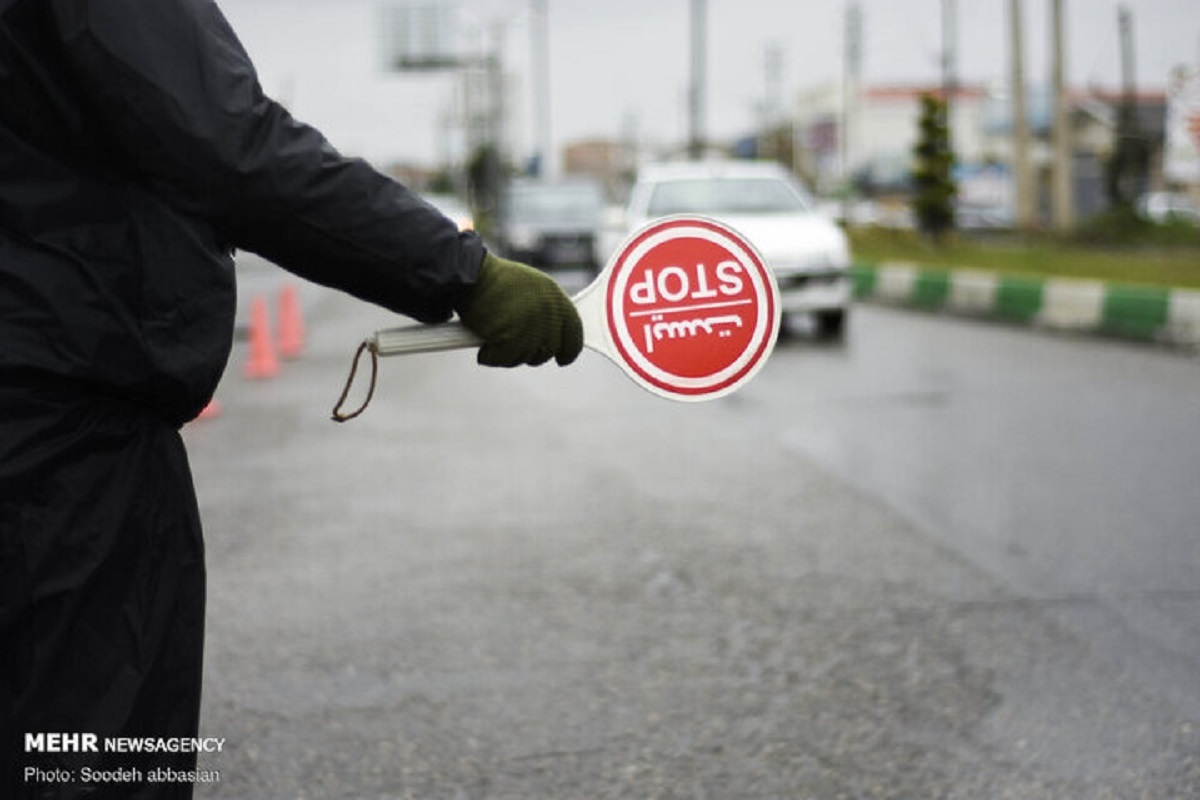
{"type": "Point", "coordinates": [553, 224]}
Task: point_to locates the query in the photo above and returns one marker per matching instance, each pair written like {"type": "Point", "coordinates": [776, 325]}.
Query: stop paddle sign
{"type": "Point", "coordinates": [686, 307]}
{"type": "Point", "coordinates": [691, 311]}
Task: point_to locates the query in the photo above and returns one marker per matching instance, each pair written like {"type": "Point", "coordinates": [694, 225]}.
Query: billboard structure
{"type": "Point", "coordinates": [1181, 160]}
{"type": "Point", "coordinates": [422, 36]}
{"type": "Point", "coordinates": [419, 37]}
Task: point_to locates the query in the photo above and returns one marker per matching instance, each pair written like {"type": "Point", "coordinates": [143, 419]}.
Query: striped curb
{"type": "Point", "coordinates": [1145, 313]}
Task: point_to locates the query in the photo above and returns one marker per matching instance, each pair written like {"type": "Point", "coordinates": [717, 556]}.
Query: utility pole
{"type": "Point", "coordinates": [1128, 61]}
{"type": "Point", "coordinates": [1022, 177]}
{"type": "Point", "coordinates": [768, 136]}
{"type": "Point", "coordinates": [1130, 157]}
{"type": "Point", "coordinates": [494, 165]}
{"type": "Point", "coordinates": [1125, 28]}
{"type": "Point", "coordinates": [949, 61]}
{"type": "Point", "coordinates": [698, 89]}
{"type": "Point", "coordinates": [1061, 182]}
{"type": "Point", "coordinates": [851, 74]}
{"type": "Point", "coordinates": [544, 156]}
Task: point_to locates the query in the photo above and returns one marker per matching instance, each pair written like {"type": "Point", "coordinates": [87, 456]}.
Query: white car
{"type": "Point", "coordinates": [806, 250]}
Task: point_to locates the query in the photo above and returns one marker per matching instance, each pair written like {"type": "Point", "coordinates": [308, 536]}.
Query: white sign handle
{"type": "Point", "coordinates": [419, 338]}
{"type": "Point", "coordinates": [423, 339]}
{"type": "Point", "coordinates": [412, 339]}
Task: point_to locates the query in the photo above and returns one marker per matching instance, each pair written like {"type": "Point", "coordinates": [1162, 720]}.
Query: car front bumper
{"type": "Point", "coordinates": [824, 291]}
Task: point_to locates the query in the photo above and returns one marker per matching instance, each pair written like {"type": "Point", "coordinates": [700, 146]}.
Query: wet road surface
{"type": "Point", "coordinates": [943, 560]}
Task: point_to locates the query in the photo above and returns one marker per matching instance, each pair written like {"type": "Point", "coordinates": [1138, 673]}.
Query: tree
{"type": "Point", "coordinates": [1127, 167]}
{"type": "Point", "coordinates": [486, 174]}
{"type": "Point", "coordinates": [933, 185]}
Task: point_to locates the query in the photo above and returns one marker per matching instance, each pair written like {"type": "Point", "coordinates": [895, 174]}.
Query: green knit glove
{"type": "Point", "coordinates": [522, 315]}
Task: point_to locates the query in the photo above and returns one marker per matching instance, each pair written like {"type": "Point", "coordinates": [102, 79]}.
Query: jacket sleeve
{"type": "Point", "coordinates": [173, 89]}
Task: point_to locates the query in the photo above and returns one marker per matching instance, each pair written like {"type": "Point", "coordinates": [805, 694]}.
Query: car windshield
{"type": "Point", "coordinates": [725, 196]}
{"type": "Point", "coordinates": [550, 203]}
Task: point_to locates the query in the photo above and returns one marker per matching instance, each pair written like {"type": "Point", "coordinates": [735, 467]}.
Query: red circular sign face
{"type": "Point", "coordinates": [692, 310]}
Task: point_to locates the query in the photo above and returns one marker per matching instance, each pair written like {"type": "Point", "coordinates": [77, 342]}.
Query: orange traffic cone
{"type": "Point", "coordinates": [262, 362]}
{"type": "Point", "coordinates": [291, 323]}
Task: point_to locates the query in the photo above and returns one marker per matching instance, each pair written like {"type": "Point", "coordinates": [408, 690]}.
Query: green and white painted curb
{"type": "Point", "coordinates": [1146, 313]}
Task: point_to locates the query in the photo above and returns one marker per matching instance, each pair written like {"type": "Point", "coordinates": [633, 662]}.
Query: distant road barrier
{"type": "Point", "coordinates": [1146, 313]}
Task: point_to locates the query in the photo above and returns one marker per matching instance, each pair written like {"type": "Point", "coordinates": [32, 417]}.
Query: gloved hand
{"type": "Point", "coordinates": [522, 315]}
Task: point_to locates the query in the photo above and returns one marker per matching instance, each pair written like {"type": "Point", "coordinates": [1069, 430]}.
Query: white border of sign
{"type": "Point", "coordinates": [762, 341]}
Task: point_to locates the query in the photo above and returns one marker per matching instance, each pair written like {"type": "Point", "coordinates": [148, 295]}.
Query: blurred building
{"type": "Point", "coordinates": [417, 177]}
{"type": "Point", "coordinates": [870, 147]}
{"type": "Point", "coordinates": [597, 158]}
{"type": "Point", "coordinates": [869, 143]}
{"type": "Point", "coordinates": [1094, 117]}
{"type": "Point", "coordinates": [611, 162]}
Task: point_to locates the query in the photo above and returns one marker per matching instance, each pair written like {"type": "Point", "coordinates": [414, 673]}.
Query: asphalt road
{"type": "Point", "coordinates": [943, 560]}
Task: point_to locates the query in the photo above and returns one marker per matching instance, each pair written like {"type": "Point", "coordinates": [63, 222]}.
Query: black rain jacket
{"type": "Point", "coordinates": [137, 150]}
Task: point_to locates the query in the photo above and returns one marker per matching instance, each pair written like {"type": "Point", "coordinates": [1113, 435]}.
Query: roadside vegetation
{"type": "Point", "coordinates": [1118, 247]}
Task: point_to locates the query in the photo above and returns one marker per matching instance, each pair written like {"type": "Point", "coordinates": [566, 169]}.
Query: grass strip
{"type": "Point", "coordinates": [1036, 258]}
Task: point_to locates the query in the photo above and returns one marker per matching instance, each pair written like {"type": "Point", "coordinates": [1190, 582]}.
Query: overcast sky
{"type": "Point", "coordinates": [622, 65]}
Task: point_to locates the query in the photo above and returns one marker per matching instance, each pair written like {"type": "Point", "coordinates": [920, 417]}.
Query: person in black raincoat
{"type": "Point", "coordinates": [137, 150]}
